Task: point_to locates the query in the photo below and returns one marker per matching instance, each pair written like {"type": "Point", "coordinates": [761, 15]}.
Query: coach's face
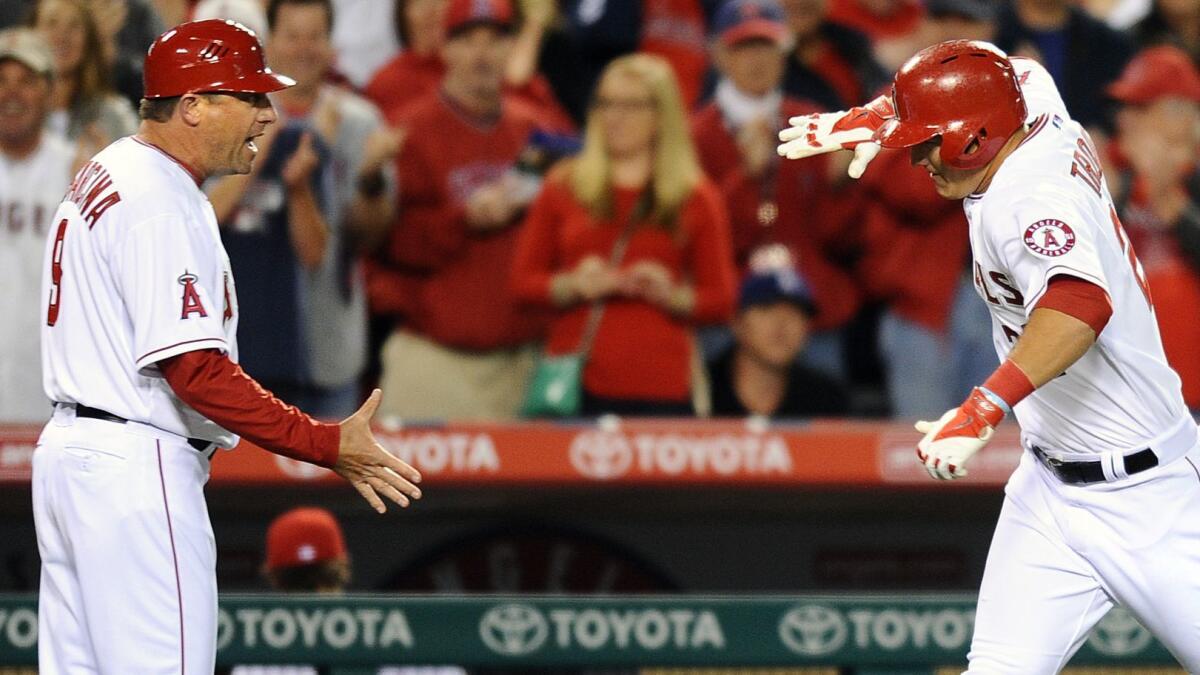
{"type": "Point", "coordinates": [950, 183]}
{"type": "Point", "coordinates": [233, 122]}
{"type": "Point", "coordinates": [24, 99]}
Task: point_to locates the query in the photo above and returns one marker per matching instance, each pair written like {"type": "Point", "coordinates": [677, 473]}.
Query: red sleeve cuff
{"type": "Point", "coordinates": [1081, 299]}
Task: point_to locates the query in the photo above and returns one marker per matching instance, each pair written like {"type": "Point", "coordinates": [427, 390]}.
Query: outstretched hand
{"type": "Point", "coordinates": [373, 471]}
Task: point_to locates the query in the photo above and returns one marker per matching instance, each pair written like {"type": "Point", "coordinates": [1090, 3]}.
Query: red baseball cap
{"type": "Point", "coordinates": [1157, 73]}
{"type": "Point", "coordinates": [466, 13]}
{"type": "Point", "coordinates": [304, 536]}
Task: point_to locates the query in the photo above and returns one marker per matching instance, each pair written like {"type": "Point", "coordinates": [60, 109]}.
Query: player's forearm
{"type": "Point", "coordinates": [307, 228]}
{"type": "Point", "coordinates": [219, 389]}
{"type": "Point", "coordinates": [1051, 342]}
{"type": "Point", "coordinates": [225, 195]}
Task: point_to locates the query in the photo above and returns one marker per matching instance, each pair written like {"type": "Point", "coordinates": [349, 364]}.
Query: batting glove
{"type": "Point", "coordinates": [959, 434]}
{"type": "Point", "coordinates": [819, 133]}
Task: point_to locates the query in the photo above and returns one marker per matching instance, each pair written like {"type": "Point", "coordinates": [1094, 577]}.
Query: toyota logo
{"type": "Point", "coordinates": [513, 630]}
{"type": "Point", "coordinates": [1119, 634]}
{"type": "Point", "coordinates": [813, 630]}
{"type": "Point", "coordinates": [601, 455]}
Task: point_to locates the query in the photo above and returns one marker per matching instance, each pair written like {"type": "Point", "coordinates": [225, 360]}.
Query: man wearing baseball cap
{"type": "Point", "coordinates": [447, 260]}
{"type": "Point", "coordinates": [35, 169]}
{"type": "Point", "coordinates": [1156, 188]}
{"type": "Point", "coordinates": [769, 201]}
{"type": "Point", "coordinates": [759, 375]}
{"type": "Point", "coordinates": [139, 349]}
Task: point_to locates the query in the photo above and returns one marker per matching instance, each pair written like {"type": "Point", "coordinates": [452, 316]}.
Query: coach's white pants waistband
{"type": "Point", "coordinates": [64, 416]}
{"type": "Point", "coordinates": [1167, 446]}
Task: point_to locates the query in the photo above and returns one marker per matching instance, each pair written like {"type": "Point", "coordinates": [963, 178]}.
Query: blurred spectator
{"type": "Point", "coordinates": [637, 169]}
{"type": "Point", "coordinates": [465, 350]}
{"type": "Point", "coordinates": [250, 13]}
{"type": "Point", "coordinates": [831, 64]}
{"type": "Point", "coordinates": [294, 227]}
{"type": "Point", "coordinates": [759, 375]}
{"type": "Point", "coordinates": [960, 20]}
{"type": "Point", "coordinates": [127, 27]}
{"type": "Point", "coordinates": [364, 37]}
{"type": "Point", "coordinates": [1173, 22]}
{"type": "Point", "coordinates": [85, 108]}
{"type": "Point", "coordinates": [676, 30]}
{"type": "Point", "coordinates": [1157, 192]}
{"type": "Point", "coordinates": [419, 69]}
{"type": "Point", "coordinates": [934, 333]}
{"type": "Point", "coordinates": [1081, 53]}
{"type": "Point", "coordinates": [306, 553]}
{"type": "Point", "coordinates": [1119, 14]}
{"type": "Point", "coordinates": [770, 200]}
{"type": "Point", "coordinates": [35, 169]}
{"type": "Point", "coordinates": [878, 19]}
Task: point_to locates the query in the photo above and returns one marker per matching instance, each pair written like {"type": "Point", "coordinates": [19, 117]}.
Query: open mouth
{"type": "Point", "coordinates": [251, 144]}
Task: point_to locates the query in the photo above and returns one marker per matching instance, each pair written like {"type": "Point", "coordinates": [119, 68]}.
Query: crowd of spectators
{"type": "Point", "coordinates": [455, 186]}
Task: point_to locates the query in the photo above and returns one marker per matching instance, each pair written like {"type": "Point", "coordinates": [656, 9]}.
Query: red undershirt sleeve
{"type": "Point", "coordinates": [1081, 299]}
{"type": "Point", "coordinates": [219, 389]}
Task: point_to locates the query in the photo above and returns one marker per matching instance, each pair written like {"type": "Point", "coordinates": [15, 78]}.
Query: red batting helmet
{"type": "Point", "coordinates": [964, 91]}
{"type": "Point", "coordinates": [207, 56]}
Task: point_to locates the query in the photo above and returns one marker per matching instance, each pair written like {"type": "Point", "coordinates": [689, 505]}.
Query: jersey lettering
{"type": "Point", "coordinates": [1086, 166]}
{"type": "Point", "coordinates": [90, 183]}
{"type": "Point", "coordinates": [56, 273]}
{"type": "Point", "coordinates": [191, 299]}
{"type": "Point", "coordinates": [228, 303]}
{"type": "Point", "coordinates": [1013, 296]}
{"type": "Point", "coordinates": [1139, 273]}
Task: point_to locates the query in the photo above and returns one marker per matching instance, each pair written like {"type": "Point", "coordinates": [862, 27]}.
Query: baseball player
{"type": "Point", "coordinates": [1104, 507]}
{"type": "Point", "coordinates": [139, 354]}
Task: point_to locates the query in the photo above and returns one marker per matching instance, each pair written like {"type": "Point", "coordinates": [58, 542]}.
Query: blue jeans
{"type": "Point", "coordinates": [929, 372]}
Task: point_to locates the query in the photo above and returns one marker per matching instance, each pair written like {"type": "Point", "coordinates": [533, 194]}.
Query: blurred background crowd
{"type": "Point", "coordinates": [457, 189]}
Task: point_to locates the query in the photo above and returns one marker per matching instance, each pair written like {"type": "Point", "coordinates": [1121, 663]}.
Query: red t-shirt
{"type": "Point", "coordinates": [675, 30]}
{"type": "Point", "coordinates": [641, 351]}
{"type": "Point", "coordinates": [457, 277]}
{"type": "Point", "coordinates": [915, 244]}
{"type": "Point", "coordinates": [809, 212]}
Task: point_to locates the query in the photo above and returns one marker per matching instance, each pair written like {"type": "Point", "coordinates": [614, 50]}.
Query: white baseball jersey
{"type": "Point", "coordinates": [30, 190]}
{"type": "Point", "coordinates": [1048, 212]}
{"type": "Point", "coordinates": [134, 272]}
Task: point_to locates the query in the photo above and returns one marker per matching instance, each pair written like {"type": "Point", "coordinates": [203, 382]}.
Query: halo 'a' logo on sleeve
{"type": "Point", "coordinates": [1050, 238]}
{"type": "Point", "coordinates": [191, 298]}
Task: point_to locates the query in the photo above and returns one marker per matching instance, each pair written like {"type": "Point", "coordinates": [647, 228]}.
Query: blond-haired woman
{"type": "Point", "coordinates": [84, 106]}
{"type": "Point", "coordinates": [637, 170]}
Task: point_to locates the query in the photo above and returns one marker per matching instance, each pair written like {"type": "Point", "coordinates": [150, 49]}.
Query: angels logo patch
{"type": "Point", "coordinates": [1050, 238]}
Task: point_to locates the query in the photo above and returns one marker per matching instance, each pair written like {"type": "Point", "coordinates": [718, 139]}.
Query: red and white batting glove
{"type": "Point", "coordinates": [819, 133]}
{"type": "Point", "coordinates": [959, 434]}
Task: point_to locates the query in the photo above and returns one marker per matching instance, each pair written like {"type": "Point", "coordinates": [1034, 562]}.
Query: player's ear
{"type": "Point", "coordinates": [190, 108]}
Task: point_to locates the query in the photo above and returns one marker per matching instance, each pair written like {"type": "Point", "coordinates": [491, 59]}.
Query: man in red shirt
{"type": "Point", "coordinates": [792, 203]}
{"type": "Point", "coordinates": [463, 341]}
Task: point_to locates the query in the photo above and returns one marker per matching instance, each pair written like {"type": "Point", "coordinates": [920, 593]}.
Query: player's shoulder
{"type": "Point", "coordinates": [149, 182]}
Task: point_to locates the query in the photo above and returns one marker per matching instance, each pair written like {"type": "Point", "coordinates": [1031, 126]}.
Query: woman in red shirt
{"type": "Point", "coordinates": [637, 168]}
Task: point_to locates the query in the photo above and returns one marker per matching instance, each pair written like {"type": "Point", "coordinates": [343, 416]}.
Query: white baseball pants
{"type": "Point", "coordinates": [128, 582]}
{"type": "Point", "coordinates": [1063, 555]}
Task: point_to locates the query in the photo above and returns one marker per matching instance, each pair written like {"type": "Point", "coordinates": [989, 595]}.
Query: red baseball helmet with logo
{"type": "Point", "coordinates": [964, 91]}
{"type": "Point", "coordinates": [208, 56]}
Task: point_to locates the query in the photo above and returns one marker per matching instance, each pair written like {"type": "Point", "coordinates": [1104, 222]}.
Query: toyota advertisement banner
{"type": "Point", "coordinates": [539, 631]}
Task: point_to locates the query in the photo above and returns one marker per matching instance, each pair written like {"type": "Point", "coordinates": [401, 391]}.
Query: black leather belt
{"type": "Point", "coordinates": [1091, 471]}
{"type": "Point", "coordinates": [199, 444]}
